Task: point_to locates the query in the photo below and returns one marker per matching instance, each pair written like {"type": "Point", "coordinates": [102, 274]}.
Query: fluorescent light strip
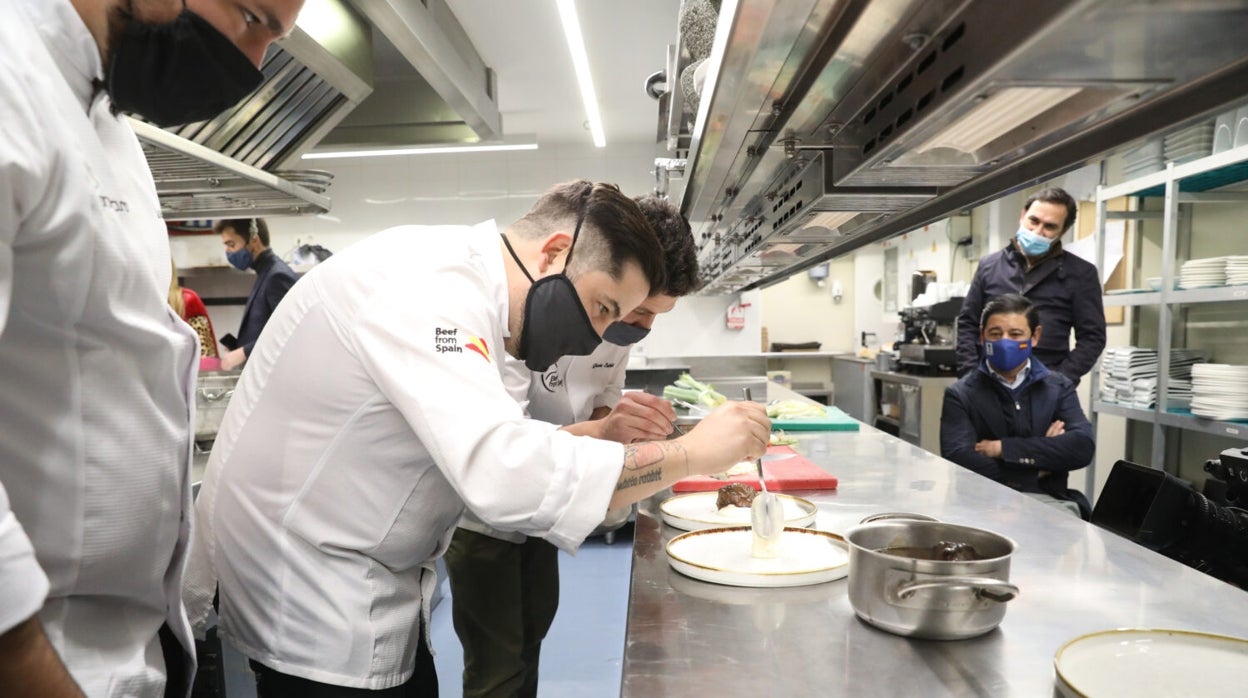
{"type": "Point", "coordinates": [580, 61]}
{"type": "Point", "coordinates": [443, 150]}
{"type": "Point", "coordinates": [997, 115]}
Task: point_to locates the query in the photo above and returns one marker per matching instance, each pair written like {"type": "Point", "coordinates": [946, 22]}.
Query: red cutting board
{"type": "Point", "coordinates": [794, 473]}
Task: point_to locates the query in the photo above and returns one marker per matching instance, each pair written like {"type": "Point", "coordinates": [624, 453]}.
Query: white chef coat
{"type": "Point", "coordinates": [566, 393]}
{"type": "Point", "coordinates": [371, 411]}
{"type": "Point", "coordinates": [95, 368]}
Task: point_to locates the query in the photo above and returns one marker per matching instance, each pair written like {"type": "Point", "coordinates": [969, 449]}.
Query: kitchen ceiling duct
{"type": "Point", "coordinates": [242, 162]}
{"type": "Point", "coordinates": [927, 108]}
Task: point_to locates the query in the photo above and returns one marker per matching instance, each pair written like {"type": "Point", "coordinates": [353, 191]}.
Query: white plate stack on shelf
{"type": "Point", "coordinates": [1189, 144]}
{"type": "Point", "coordinates": [1130, 376]}
{"type": "Point", "coordinates": [1143, 160]}
{"type": "Point", "coordinates": [1201, 273]}
{"type": "Point", "coordinates": [1237, 270]}
{"type": "Point", "coordinates": [1220, 391]}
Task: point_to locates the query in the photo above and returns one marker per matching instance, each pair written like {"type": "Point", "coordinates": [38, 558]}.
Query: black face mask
{"type": "Point", "coordinates": [555, 321]}
{"type": "Point", "coordinates": [178, 72]}
{"type": "Point", "coordinates": [624, 334]}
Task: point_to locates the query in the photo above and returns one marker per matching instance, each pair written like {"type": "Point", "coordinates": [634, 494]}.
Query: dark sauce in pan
{"type": "Point", "coordinates": [943, 551]}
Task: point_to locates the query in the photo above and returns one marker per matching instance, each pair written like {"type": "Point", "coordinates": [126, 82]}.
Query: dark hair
{"type": "Point", "coordinates": [1055, 195]}
{"type": "Point", "coordinates": [1010, 304]}
{"type": "Point", "coordinates": [613, 229]}
{"type": "Point", "coordinates": [243, 228]}
{"type": "Point", "coordinates": [680, 256]}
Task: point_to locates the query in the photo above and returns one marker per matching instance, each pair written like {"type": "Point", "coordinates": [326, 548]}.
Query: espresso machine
{"type": "Point", "coordinates": [927, 338]}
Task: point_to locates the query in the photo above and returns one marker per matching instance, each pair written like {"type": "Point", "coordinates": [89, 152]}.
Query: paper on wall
{"type": "Point", "coordinates": [1115, 236]}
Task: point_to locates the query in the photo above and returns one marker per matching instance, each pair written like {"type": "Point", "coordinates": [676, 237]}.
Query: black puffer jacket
{"type": "Point", "coordinates": [1065, 290]}
{"type": "Point", "coordinates": [980, 408]}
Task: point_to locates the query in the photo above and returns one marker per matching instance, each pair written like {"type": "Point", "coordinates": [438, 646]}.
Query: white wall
{"type": "Point", "coordinates": [798, 310]}
{"type": "Point", "coordinates": [697, 326]}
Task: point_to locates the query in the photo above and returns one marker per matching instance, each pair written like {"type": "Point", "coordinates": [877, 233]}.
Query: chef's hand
{"type": "Point", "coordinates": [233, 359]}
{"type": "Point", "coordinates": [638, 416]}
{"type": "Point", "coordinates": [733, 432]}
{"type": "Point", "coordinates": [1057, 428]}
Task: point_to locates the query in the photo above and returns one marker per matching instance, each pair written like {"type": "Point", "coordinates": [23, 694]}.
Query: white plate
{"type": "Point", "coordinates": [696, 511]}
{"type": "Point", "coordinates": [723, 556]}
{"type": "Point", "coordinates": [1147, 663]}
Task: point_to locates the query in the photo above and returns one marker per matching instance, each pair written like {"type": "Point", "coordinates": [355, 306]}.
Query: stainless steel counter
{"type": "Point", "coordinates": [687, 638]}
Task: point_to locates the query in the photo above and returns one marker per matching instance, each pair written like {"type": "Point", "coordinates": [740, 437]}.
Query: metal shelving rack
{"type": "Point", "coordinates": [1181, 186]}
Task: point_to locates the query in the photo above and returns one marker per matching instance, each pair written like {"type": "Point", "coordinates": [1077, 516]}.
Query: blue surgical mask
{"type": "Point", "coordinates": [240, 258]}
{"type": "Point", "coordinates": [1007, 354]}
{"type": "Point", "coordinates": [623, 334]}
{"type": "Point", "coordinates": [1032, 245]}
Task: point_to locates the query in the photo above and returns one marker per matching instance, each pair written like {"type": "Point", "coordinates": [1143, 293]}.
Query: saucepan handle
{"type": "Point", "coordinates": [984, 587]}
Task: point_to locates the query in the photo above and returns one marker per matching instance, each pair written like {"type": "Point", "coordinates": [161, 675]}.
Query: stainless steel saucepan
{"type": "Point", "coordinates": [899, 580]}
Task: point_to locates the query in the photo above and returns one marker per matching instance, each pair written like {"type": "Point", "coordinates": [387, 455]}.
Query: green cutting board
{"type": "Point", "coordinates": [835, 420]}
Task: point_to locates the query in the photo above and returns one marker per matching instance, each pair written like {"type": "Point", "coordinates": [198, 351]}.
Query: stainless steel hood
{"type": "Point", "coordinates": [242, 162]}
{"type": "Point", "coordinates": [835, 123]}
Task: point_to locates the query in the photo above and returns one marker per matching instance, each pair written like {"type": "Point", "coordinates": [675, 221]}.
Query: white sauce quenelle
{"type": "Point", "coordinates": [767, 522]}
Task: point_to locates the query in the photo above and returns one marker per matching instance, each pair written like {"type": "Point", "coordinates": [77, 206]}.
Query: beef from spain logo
{"type": "Point", "coordinates": [449, 341]}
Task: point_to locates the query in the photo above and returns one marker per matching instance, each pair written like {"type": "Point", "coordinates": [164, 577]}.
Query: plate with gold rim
{"type": "Point", "coordinates": [1148, 663]}
{"type": "Point", "coordinates": [696, 511]}
{"type": "Point", "coordinates": [725, 556]}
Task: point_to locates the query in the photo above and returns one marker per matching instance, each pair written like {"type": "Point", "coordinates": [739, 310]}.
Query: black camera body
{"type": "Point", "coordinates": [1205, 530]}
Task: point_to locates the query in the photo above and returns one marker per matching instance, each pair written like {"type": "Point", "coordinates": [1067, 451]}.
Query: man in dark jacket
{"type": "Point", "coordinates": [1013, 420]}
{"type": "Point", "coordinates": [1064, 288]}
{"type": "Point", "coordinates": [247, 247]}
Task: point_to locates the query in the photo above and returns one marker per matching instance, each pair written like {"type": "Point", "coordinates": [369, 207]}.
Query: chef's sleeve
{"type": "Point", "coordinates": [614, 389]}
{"type": "Point", "coordinates": [23, 585]}
{"type": "Point", "coordinates": [434, 363]}
{"type": "Point", "coordinates": [23, 176]}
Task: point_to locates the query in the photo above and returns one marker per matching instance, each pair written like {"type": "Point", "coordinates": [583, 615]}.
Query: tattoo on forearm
{"type": "Point", "coordinates": [645, 462]}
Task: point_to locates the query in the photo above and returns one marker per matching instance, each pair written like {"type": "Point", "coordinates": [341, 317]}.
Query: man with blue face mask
{"type": "Point", "coordinates": [96, 370]}
{"type": "Point", "coordinates": [1065, 289]}
{"type": "Point", "coordinates": [246, 242]}
{"type": "Point", "coordinates": [1013, 420]}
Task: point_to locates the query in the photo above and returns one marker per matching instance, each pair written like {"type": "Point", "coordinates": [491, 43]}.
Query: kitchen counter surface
{"type": "Point", "coordinates": [688, 637]}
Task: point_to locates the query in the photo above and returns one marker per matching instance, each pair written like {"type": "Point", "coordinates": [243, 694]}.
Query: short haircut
{"type": "Point", "coordinates": [1055, 195]}
{"type": "Point", "coordinates": [680, 256]}
{"type": "Point", "coordinates": [243, 228]}
{"type": "Point", "coordinates": [613, 229]}
{"type": "Point", "coordinates": [1010, 304]}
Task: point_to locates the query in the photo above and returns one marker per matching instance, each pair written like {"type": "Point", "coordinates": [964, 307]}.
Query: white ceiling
{"type": "Point", "coordinates": [522, 40]}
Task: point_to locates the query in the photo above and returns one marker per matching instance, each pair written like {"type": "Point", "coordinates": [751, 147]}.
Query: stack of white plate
{"type": "Point", "coordinates": [1189, 144]}
{"type": "Point", "coordinates": [1199, 273]}
{"type": "Point", "coordinates": [1130, 376]}
{"type": "Point", "coordinates": [1237, 270]}
{"type": "Point", "coordinates": [1143, 160]}
{"type": "Point", "coordinates": [1220, 391]}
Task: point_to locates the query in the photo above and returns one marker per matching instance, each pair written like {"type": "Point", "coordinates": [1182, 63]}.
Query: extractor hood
{"type": "Point", "coordinates": [831, 124]}
{"type": "Point", "coordinates": [242, 163]}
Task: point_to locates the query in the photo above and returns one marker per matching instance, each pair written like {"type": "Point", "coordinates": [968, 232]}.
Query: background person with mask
{"type": "Point", "coordinates": [246, 243]}
{"type": "Point", "coordinates": [1013, 420]}
{"type": "Point", "coordinates": [330, 493]}
{"type": "Point", "coordinates": [1065, 289]}
{"type": "Point", "coordinates": [505, 585]}
{"type": "Point", "coordinates": [95, 367]}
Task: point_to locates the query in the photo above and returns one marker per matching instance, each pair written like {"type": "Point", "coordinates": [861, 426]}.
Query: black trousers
{"type": "Point", "coordinates": [274, 684]}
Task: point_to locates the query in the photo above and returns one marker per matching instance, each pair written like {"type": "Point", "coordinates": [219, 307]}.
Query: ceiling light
{"type": "Point", "coordinates": [580, 61]}
{"type": "Point", "coordinates": [997, 115]}
{"type": "Point", "coordinates": [435, 150]}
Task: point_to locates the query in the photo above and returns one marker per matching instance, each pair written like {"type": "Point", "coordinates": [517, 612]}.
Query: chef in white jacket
{"type": "Point", "coordinates": [95, 369]}
{"type": "Point", "coordinates": [373, 409]}
{"type": "Point", "coordinates": [504, 584]}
